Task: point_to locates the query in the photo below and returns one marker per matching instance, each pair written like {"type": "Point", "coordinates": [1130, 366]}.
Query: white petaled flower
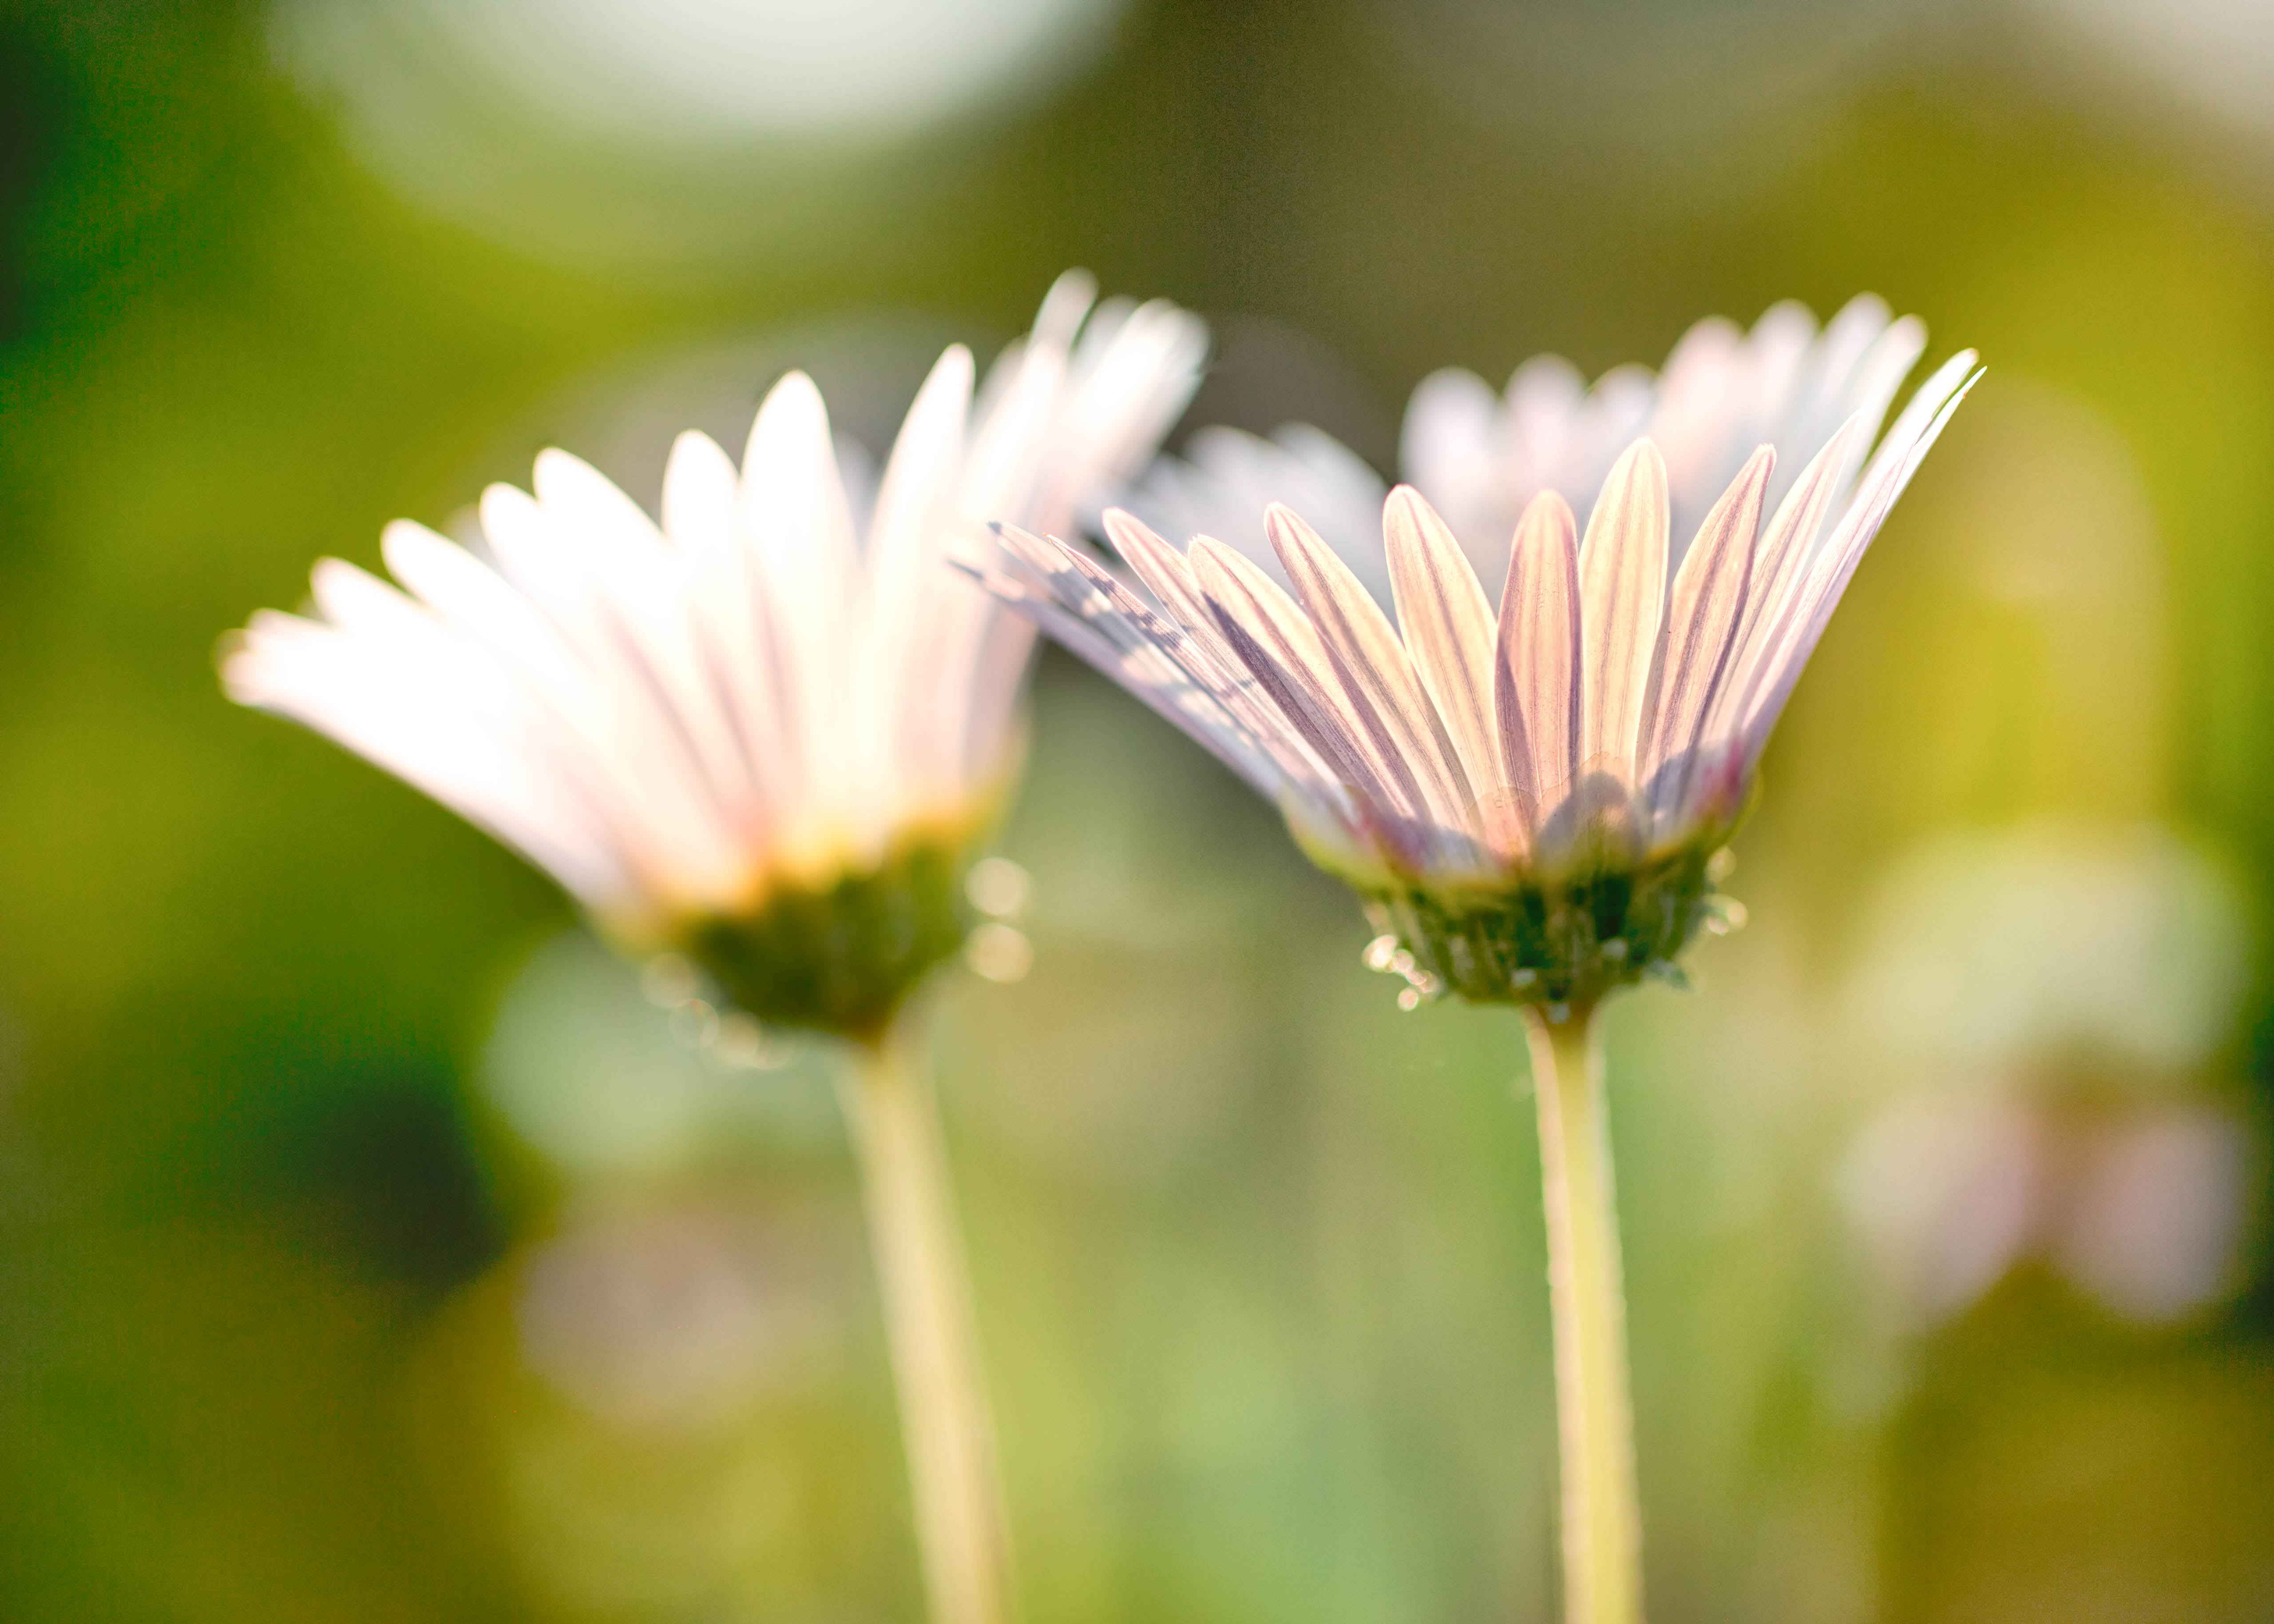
{"type": "Point", "coordinates": [1480, 457]}
{"type": "Point", "coordinates": [1528, 797]}
{"type": "Point", "coordinates": [767, 729]}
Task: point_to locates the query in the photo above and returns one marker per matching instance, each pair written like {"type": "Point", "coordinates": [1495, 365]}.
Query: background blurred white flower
{"type": "Point", "coordinates": [2053, 998]}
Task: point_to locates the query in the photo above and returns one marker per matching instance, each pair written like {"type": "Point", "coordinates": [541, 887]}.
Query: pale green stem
{"type": "Point", "coordinates": [1602, 1514]}
{"type": "Point", "coordinates": [921, 1274]}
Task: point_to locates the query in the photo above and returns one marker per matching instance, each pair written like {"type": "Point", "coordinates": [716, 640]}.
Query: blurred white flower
{"type": "Point", "coordinates": [2142, 1206]}
{"type": "Point", "coordinates": [1991, 950]}
{"type": "Point", "coordinates": [745, 731]}
{"type": "Point", "coordinates": [676, 135]}
{"type": "Point", "coordinates": [2048, 994]}
{"type": "Point", "coordinates": [1595, 739]}
{"type": "Point", "coordinates": [666, 1321]}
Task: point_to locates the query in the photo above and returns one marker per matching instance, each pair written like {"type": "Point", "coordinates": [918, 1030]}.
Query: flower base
{"type": "Point", "coordinates": [1567, 941]}
{"type": "Point", "coordinates": [840, 957]}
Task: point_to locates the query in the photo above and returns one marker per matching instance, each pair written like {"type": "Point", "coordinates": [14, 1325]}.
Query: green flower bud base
{"type": "Point", "coordinates": [842, 958]}
{"type": "Point", "coordinates": [1540, 940]}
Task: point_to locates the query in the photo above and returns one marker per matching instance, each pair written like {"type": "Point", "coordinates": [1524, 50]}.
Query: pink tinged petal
{"type": "Point", "coordinates": [1376, 674]}
{"type": "Point", "coordinates": [1623, 600]}
{"type": "Point", "coordinates": [1165, 572]}
{"type": "Point", "coordinates": [1709, 595]}
{"type": "Point", "coordinates": [1082, 606]}
{"type": "Point", "coordinates": [1780, 564]}
{"type": "Point", "coordinates": [1881, 373]}
{"type": "Point", "coordinates": [1537, 681]}
{"type": "Point", "coordinates": [1281, 649]}
{"type": "Point", "coordinates": [1169, 575]}
{"type": "Point", "coordinates": [1448, 626]}
{"type": "Point", "coordinates": [1828, 579]}
{"type": "Point", "coordinates": [1931, 398]}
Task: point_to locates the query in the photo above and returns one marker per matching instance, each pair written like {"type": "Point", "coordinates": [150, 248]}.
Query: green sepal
{"type": "Point", "coordinates": [840, 957]}
{"type": "Point", "coordinates": [1565, 940]}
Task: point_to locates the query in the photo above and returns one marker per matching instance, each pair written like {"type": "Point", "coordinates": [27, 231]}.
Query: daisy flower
{"type": "Point", "coordinates": [766, 731]}
{"type": "Point", "coordinates": [1530, 796]}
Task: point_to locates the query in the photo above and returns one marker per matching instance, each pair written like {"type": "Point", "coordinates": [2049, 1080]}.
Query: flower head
{"type": "Point", "coordinates": [1528, 797]}
{"type": "Point", "coordinates": [768, 729]}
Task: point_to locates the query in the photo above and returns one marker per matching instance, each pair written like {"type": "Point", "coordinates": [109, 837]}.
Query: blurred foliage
{"type": "Point", "coordinates": [1258, 1258]}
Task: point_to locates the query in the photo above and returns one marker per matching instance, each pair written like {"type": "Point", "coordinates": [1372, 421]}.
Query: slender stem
{"type": "Point", "coordinates": [928, 1321]}
{"type": "Point", "coordinates": [1603, 1513]}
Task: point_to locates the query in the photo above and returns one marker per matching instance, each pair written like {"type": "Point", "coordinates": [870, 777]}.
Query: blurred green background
{"type": "Point", "coordinates": [370, 1251]}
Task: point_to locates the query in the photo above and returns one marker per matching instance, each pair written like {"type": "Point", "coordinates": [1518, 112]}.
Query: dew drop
{"type": "Point", "coordinates": [1409, 1000]}
{"type": "Point", "coordinates": [1720, 865]}
{"type": "Point", "coordinates": [743, 1045]}
{"type": "Point", "coordinates": [998, 888]}
{"type": "Point", "coordinates": [999, 952]}
{"type": "Point", "coordinates": [669, 980]}
{"type": "Point", "coordinates": [694, 1023]}
{"type": "Point", "coordinates": [1380, 952]}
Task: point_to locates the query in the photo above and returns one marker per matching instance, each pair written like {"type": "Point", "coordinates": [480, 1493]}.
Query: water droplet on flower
{"type": "Point", "coordinates": [1402, 961]}
{"type": "Point", "coordinates": [1725, 916]}
{"type": "Point", "coordinates": [1720, 865]}
{"type": "Point", "coordinates": [743, 1045]}
{"type": "Point", "coordinates": [1409, 1000]}
{"type": "Point", "coordinates": [999, 887]}
{"type": "Point", "coordinates": [694, 1023]}
{"type": "Point", "coordinates": [1379, 953]}
{"type": "Point", "coordinates": [999, 952]}
{"type": "Point", "coordinates": [669, 980]}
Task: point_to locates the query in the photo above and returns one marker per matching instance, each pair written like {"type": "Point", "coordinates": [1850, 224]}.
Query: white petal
{"type": "Point", "coordinates": [1446, 449]}
{"type": "Point", "coordinates": [913, 710]}
{"type": "Point", "coordinates": [701, 515]}
{"type": "Point", "coordinates": [641, 585]}
{"type": "Point", "coordinates": [800, 532]}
